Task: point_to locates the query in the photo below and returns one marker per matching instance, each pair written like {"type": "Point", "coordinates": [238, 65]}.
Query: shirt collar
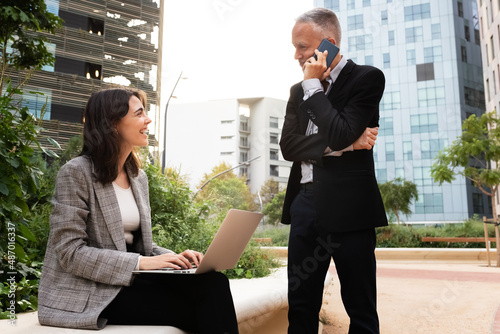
{"type": "Point", "coordinates": [334, 74]}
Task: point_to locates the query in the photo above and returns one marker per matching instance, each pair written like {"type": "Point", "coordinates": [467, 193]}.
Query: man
{"type": "Point", "coordinates": [332, 201]}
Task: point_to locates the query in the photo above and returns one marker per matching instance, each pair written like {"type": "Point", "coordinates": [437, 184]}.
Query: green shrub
{"type": "Point", "coordinates": [254, 262]}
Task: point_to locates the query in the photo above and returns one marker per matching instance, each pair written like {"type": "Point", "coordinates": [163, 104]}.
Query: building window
{"type": "Point", "coordinates": [366, 3]}
{"type": "Point", "coordinates": [460, 9]}
{"type": "Point", "coordinates": [244, 141]}
{"type": "Point", "coordinates": [391, 37]}
{"type": "Point", "coordinates": [389, 152]}
{"type": "Point", "coordinates": [477, 39]}
{"type": "Point", "coordinates": [244, 124]}
{"type": "Point", "coordinates": [369, 60]}
{"type": "Point", "coordinates": [477, 203]}
{"type": "Point", "coordinates": [243, 171]}
{"type": "Point", "coordinates": [355, 22]}
{"type": "Point", "coordinates": [474, 98]}
{"type": "Point", "coordinates": [273, 154]}
{"type": "Point", "coordinates": [390, 101]}
{"type": "Point", "coordinates": [411, 58]}
{"type": "Point", "coordinates": [386, 127]}
{"type": "Point", "coordinates": [467, 33]}
{"type": "Point", "coordinates": [488, 90]}
{"type": "Point", "coordinates": [407, 151]}
{"type": "Point", "coordinates": [400, 172]}
{"type": "Point", "coordinates": [243, 156]}
{"type": "Point", "coordinates": [487, 54]}
{"type": "Point", "coordinates": [381, 175]}
{"type": "Point", "coordinates": [417, 12]}
{"type": "Point", "coordinates": [332, 4]}
{"type": "Point", "coordinates": [492, 43]}
{"type": "Point", "coordinates": [274, 170]}
{"type": "Point", "coordinates": [463, 50]}
{"type": "Point", "coordinates": [363, 42]}
{"type": "Point", "coordinates": [383, 17]}
{"type": "Point", "coordinates": [429, 203]}
{"type": "Point", "coordinates": [387, 60]}
{"type": "Point", "coordinates": [226, 122]}
{"type": "Point", "coordinates": [351, 4]}
{"type": "Point", "coordinates": [425, 72]}
{"type": "Point", "coordinates": [414, 34]}
{"type": "Point", "coordinates": [433, 54]}
{"type": "Point", "coordinates": [431, 96]}
{"type": "Point", "coordinates": [226, 137]}
{"type": "Point", "coordinates": [422, 176]}
{"type": "Point", "coordinates": [273, 138]}
{"type": "Point", "coordinates": [436, 31]}
{"type": "Point", "coordinates": [430, 148]}
{"type": "Point", "coordinates": [424, 123]}
{"type": "Point", "coordinates": [273, 122]}
{"type": "Point", "coordinates": [35, 99]}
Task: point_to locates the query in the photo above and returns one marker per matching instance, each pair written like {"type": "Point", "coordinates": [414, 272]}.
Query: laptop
{"type": "Point", "coordinates": [227, 246]}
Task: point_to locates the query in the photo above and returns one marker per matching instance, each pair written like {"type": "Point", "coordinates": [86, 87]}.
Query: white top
{"type": "Point", "coordinates": [129, 211]}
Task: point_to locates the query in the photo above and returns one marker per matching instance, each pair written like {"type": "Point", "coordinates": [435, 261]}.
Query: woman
{"type": "Point", "coordinates": [100, 231]}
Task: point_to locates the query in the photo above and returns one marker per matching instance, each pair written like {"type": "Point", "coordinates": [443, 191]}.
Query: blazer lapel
{"type": "Point", "coordinates": [110, 209]}
{"type": "Point", "coordinates": [341, 79]}
{"type": "Point", "coordinates": [144, 213]}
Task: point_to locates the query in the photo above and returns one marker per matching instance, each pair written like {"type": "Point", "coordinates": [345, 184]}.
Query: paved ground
{"type": "Point", "coordinates": [427, 297]}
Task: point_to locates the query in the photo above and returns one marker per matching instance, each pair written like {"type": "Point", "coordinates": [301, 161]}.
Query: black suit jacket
{"type": "Point", "coordinates": [345, 189]}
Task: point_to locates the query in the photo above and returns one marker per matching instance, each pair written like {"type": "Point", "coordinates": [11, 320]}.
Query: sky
{"type": "Point", "coordinates": [229, 49]}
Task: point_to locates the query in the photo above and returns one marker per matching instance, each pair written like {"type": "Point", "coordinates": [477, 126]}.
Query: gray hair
{"type": "Point", "coordinates": [324, 21]}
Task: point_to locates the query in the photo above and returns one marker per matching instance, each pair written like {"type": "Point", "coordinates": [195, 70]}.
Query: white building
{"type": "Point", "coordinates": [202, 135]}
{"type": "Point", "coordinates": [489, 22]}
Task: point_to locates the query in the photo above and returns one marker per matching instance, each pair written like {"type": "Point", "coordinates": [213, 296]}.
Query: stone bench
{"type": "Point", "coordinates": [261, 307]}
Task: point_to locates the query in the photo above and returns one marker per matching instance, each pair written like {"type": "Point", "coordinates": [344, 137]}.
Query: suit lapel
{"type": "Point", "coordinates": [341, 79]}
{"type": "Point", "coordinates": [108, 202]}
{"type": "Point", "coordinates": [140, 198]}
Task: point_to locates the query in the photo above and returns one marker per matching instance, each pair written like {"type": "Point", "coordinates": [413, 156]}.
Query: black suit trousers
{"type": "Point", "coordinates": [310, 251]}
{"type": "Point", "coordinates": [195, 303]}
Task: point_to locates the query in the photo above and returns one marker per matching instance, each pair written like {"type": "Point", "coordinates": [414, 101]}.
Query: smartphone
{"type": "Point", "coordinates": [332, 51]}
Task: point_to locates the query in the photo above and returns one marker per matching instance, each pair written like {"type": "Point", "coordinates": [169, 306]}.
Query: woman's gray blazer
{"type": "Point", "coordinates": [87, 263]}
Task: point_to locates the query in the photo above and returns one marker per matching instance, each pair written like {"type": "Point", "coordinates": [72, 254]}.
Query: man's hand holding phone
{"type": "Point", "coordinates": [316, 68]}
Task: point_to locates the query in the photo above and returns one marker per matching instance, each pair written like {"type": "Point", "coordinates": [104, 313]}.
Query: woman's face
{"type": "Point", "coordinates": [133, 128]}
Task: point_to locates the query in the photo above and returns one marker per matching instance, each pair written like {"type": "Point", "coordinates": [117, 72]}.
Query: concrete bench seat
{"type": "Point", "coordinates": [261, 307]}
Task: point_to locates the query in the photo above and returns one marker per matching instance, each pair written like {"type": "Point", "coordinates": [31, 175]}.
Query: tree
{"type": "Point", "coordinates": [227, 191]}
{"type": "Point", "coordinates": [475, 155]}
{"type": "Point", "coordinates": [22, 43]}
{"type": "Point", "coordinates": [397, 196]}
{"type": "Point", "coordinates": [274, 208]}
{"type": "Point", "coordinates": [22, 49]}
{"type": "Point", "coordinates": [268, 190]}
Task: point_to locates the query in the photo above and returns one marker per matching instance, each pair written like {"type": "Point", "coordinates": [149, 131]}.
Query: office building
{"type": "Point", "coordinates": [231, 131]}
{"type": "Point", "coordinates": [430, 54]}
{"type": "Point", "coordinates": [103, 43]}
{"type": "Point", "coordinates": [489, 27]}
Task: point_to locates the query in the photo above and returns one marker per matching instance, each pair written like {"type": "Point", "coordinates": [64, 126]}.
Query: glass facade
{"type": "Point", "coordinates": [103, 43]}
{"type": "Point", "coordinates": [431, 58]}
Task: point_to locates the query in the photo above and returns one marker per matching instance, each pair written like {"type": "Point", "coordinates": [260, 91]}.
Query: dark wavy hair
{"type": "Point", "coordinates": [101, 142]}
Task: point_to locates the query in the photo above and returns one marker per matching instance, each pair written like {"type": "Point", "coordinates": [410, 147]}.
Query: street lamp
{"type": "Point", "coordinates": [246, 163]}
{"type": "Point", "coordinates": [165, 124]}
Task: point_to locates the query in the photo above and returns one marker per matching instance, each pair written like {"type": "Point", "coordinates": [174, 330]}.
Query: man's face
{"type": "Point", "coordinates": [305, 40]}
